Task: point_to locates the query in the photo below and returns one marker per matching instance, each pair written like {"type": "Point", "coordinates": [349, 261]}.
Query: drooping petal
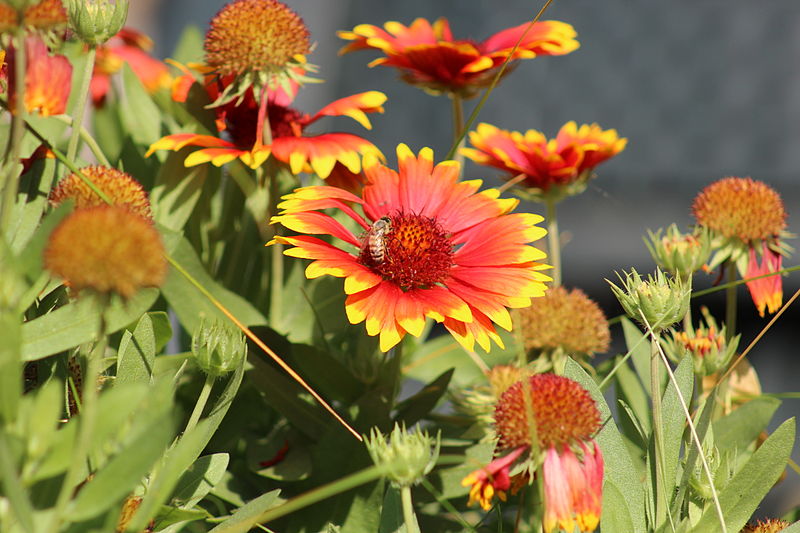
{"type": "Point", "coordinates": [557, 494]}
{"type": "Point", "coordinates": [767, 293]}
{"type": "Point", "coordinates": [320, 153]}
{"type": "Point", "coordinates": [355, 107]}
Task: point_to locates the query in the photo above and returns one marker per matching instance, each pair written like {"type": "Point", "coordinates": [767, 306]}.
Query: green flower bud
{"type": "Point", "coordinates": [96, 21]}
{"type": "Point", "coordinates": [706, 344]}
{"type": "Point", "coordinates": [407, 456]}
{"type": "Point", "coordinates": [218, 348]}
{"type": "Point", "coordinates": [680, 254]}
{"type": "Point", "coordinates": [658, 301]}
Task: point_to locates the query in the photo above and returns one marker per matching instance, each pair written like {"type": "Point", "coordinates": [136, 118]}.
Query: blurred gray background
{"type": "Point", "coordinates": [702, 90]}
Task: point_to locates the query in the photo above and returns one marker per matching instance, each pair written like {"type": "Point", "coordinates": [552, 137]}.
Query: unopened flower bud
{"type": "Point", "coordinates": [218, 348]}
{"type": "Point", "coordinates": [706, 344]}
{"type": "Point", "coordinates": [407, 455]}
{"type": "Point", "coordinates": [96, 21]}
{"type": "Point", "coordinates": [680, 254]}
{"type": "Point", "coordinates": [658, 301]}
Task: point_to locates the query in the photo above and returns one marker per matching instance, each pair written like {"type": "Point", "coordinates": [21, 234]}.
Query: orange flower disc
{"type": "Point", "coordinates": [744, 208]}
{"type": "Point", "coordinates": [121, 189]}
{"type": "Point", "coordinates": [563, 413]}
{"type": "Point", "coordinates": [46, 15]}
{"type": "Point", "coordinates": [106, 249]}
{"type": "Point", "coordinates": [564, 319]}
{"type": "Point", "coordinates": [255, 35]}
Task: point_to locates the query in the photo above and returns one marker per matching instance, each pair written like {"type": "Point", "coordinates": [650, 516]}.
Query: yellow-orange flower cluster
{"type": "Point", "coordinates": [120, 188]}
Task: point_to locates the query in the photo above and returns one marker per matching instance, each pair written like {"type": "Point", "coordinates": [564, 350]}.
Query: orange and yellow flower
{"type": "Point", "coordinates": [767, 293]}
{"type": "Point", "coordinates": [48, 79]}
{"type": "Point", "coordinates": [554, 419]}
{"type": "Point", "coordinates": [131, 47]}
{"type": "Point", "coordinates": [430, 246]}
{"type": "Point", "coordinates": [428, 56]}
{"type": "Point", "coordinates": [559, 166]}
{"type": "Point", "coordinates": [289, 144]}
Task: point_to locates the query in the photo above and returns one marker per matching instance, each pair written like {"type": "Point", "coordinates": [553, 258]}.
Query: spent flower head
{"type": "Point", "coordinates": [769, 525]}
{"type": "Point", "coordinates": [218, 348]}
{"type": "Point", "coordinates": [106, 249]}
{"type": "Point", "coordinates": [658, 301]}
{"type": "Point", "coordinates": [408, 456]}
{"type": "Point", "coordinates": [119, 187]}
{"type": "Point", "coordinates": [680, 254]}
{"type": "Point", "coordinates": [96, 21]}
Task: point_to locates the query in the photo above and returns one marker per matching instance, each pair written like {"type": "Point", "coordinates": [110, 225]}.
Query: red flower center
{"type": "Point", "coordinates": [416, 252]}
{"type": "Point", "coordinates": [241, 123]}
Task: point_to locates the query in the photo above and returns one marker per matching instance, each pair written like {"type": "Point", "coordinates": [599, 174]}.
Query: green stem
{"type": "Point", "coordinates": [201, 404]}
{"type": "Point", "coordinates": [276, 256]}
{"type": "Point", "coordinates": [658, 434]}
{"type": "Point", "coordinates": [730, 301]}
{"type": "Point", "coordinates": [553, 241]}
{"type": "Point", "coordinates": [8, 180]}
{"type": "Point", "coordinates": [86, 422]}
{"type": "Point", "coordinates": [458, 128]}
{"type": "Point", "coordinates": [80, 109]}
{"type": "Point", "coordinates": [687, 318]}
{"type": "Point", "coordinates": [408, 510]}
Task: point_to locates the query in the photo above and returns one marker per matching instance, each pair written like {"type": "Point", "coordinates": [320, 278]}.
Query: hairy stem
{"type": "Point", "coordinates": [730, 301]}
{"type": "Point", "coordinates": [80, 109]}
{"type": "Point", "coordinates": [553, 241]}
{"type": "Point", "coordinates": [408, 510]}
{"type": "Point", "coordinates": [200, 405]}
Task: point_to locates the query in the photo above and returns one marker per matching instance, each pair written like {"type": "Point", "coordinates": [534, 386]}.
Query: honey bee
{"type": "Point", "coordinates": [376, 239]}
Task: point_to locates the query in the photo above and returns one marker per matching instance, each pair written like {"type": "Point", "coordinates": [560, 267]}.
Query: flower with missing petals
{"type": "Point", "coordinates": [106, 249]}
{"type": "Point", "coordinates": [551, 168]}
{"type": "Point", "coordinates": [428, 56]}
{"type": "Point", "coordinates": [430, 247]}
{"type": "Point", "coordinates": [767, 292]}
{"type": "Point", "coordinates": [120, 188]}
{"type": "Point", "coordinates": [554, 420]}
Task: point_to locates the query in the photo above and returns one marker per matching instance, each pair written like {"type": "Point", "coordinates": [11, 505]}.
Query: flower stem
{"type": "Point", "coordinates": [408, 510]}
{"type": "Point", "coordinates": [276, 256]}
{"type": "Point", "coordinates": [80, 109]}
{"type": "Point", "coordinates": [8, 176]}
{"type": "Point", "coordinates": [458, 128]}
{"type": "Point", "coordinates": [553, 242]}
{"type": "Point", "coordinates": [200, 405]}
{"type": "Point", "coordinates": [730, 301]}
{"type": "Point", "coordinates": [263, 134]}
{"type": "Point", "coordinates": [658, 433]}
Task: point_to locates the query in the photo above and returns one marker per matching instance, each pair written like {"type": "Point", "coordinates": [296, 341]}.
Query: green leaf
{"type": "Point", "coordinates": [185, 452]}
{"type": "Point", "coordinates": [10, 367]}
{"type": "Point", "coordinates": [739, 429]}
{"type": "Point", "coordinates": [191, 305]}
{"type": "Point", "coordinates": [743, 493]}
{"type": "Point", "coordinates": [199, 479]}
{"type": "Point", "coordinates": [137, 353]}
{"type": "Point", "coordinates": [418, 406]}
{"type": "Point", "coordinates": [619, 467]}
{"type": "Point", "coordinates": [140, 116]}
{"type": "Point", "coordinates": [13, 490]}
{"type": "Point", "coordinates": [675, 419]}
{"type": "Point", "coordinates": [34, 188]}
{"type": "Point", "coordinates": [616, 515]}
{"type": "Point", "coordinates": [41, 414]}
{"type": "Point", "coordinates": [639, 347]}
{"type": "Point", "coordinates": [327, 375]}
{"type": "Point", "coordinates": [172, 520]}
{"type": "Point", "coordinates": [245, 515]}
{"type": "Point", "coordinates": [78, 322]}
{"type": "Point", "coordinates": [631, 391]}
{"type": "Point", "coordinates": [392, 513]}
{"type": "Point", "coordinates": [31, 256]}
{"type": "Point", "coordinates": [176, 191]}
{"type": "Point", "coordinates": [162, 329]}
{"type": "Point", "coordinates": [190, 45]}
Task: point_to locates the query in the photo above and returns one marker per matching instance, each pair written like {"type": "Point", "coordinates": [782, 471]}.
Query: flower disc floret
{"type": "Point", "coordinates": [743, 208]}
{"type": "Point", "coordinates": [553, 410]}
{"type": "Point", "coordinates": [565, 320]}
{"type": "Point", "coordinates": [120, 188]}
{"type": "Point", "coordinates": [106, 249]}
{"type": "Point", "coordinates": [255, 36]}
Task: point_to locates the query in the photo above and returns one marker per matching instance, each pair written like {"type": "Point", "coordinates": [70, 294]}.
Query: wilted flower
{"type": "Point", "coordinates": [408, 456]}
{"type": "Point", "coordinates": [48, 79]}
{"type": "Point", "coordinates": [218, 348]}
{"type": "Point", "coordinates": [120, 188]}
{"type": "Point", "coordinates": [289, 144]}
{"type": "Point", "coordinates": [554, 419]}
{"type": "Point", "coordinates": [767, 293]}
{"type": "Point", "coordinates": [431, 246]}
{"type": "Point", "coordinates": [552, 168]}
{"type": "Point", "coordinates": [564, 322]}
{"type": "Point", "coordinates": [257, 43]}
{"type": "Point", "coordinates": [129, 47]}
{"type": "Point", "coordinates": [106, 249]}
{"type": "Point", "coordinates": [428, 56]}
{"type": "Point", "coordinates": [658, 301]}
{"type": "Point", "coordinates": [680, 254]}
{"type": "Point", "coordinates": [706, 344]}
